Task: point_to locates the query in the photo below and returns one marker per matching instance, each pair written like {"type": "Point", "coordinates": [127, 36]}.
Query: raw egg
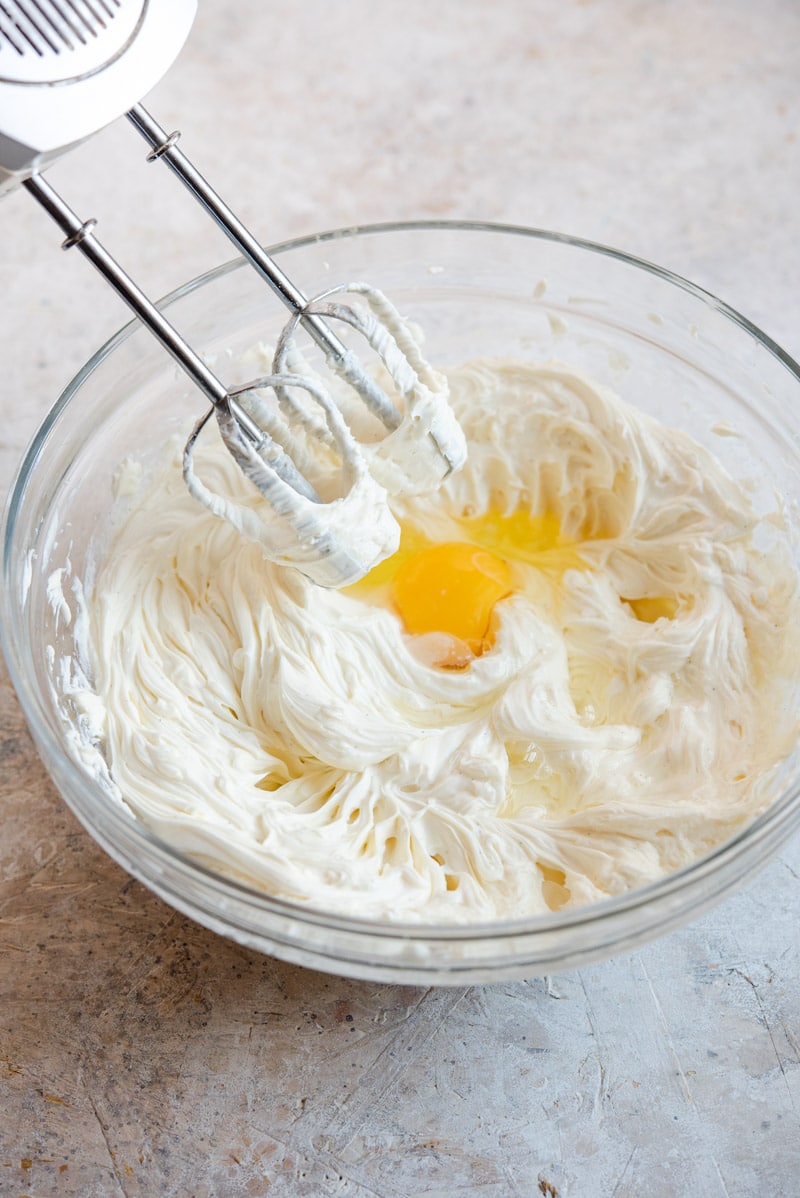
{"type": "Point", "coordinates": [451, 587]}
{"type": "Point", "coordinates": [659, 607]}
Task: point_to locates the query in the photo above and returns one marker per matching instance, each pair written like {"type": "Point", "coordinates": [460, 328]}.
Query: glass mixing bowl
{"type": "Point", "coordinates": [659, 342]}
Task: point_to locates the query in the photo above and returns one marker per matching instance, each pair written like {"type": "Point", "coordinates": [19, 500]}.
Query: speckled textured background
{"type": "Point", "coordinates": [141, 1055]}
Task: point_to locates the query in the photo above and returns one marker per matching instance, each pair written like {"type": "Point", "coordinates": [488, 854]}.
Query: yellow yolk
{"type": "Point", "coordinates": [650, 610]}
{"type": "Point", "coordinates": [522, 537]}
{"type": "Point", "coordinates": [451, 588]}
{"type": "Point", "coordinates": [555, 891]}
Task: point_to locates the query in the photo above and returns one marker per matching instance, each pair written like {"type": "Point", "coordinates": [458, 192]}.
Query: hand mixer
{"type": "Point", "coordinates": [70, 67]}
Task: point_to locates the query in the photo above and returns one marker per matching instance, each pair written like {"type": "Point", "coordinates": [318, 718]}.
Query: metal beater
{"type": "Point", "coordinates": [70, 67]}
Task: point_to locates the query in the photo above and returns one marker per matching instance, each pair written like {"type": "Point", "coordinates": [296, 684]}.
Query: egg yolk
{"type": "Point", "coordinates": [452, 588]}
{"type": "Point", "coordinates": [522, 537]}
{"type": "Point", "coordinates": [657, 608]}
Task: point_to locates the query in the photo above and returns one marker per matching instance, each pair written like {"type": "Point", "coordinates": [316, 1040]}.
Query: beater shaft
{"type": "Point", "coordinates": [81, 235]}
{"type": "Point", "coordinates": [164, 146]}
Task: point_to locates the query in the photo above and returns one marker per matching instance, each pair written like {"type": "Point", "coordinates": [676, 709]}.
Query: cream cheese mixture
{"type": "Point", "coordinates": [632, 697]}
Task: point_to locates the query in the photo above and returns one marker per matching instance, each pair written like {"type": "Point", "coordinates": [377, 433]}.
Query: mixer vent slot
{"type": "Point", "coordinates": [46, 27]}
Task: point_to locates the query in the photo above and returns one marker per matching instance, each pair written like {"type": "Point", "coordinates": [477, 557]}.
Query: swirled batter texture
{"type": "Point", "coordinates": [629, 715]}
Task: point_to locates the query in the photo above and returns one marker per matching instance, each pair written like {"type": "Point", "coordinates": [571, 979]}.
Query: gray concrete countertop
{"type": "Point", "coordinates": [143, 1055]}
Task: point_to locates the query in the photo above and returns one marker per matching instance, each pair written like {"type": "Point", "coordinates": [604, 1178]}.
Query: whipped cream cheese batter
{"type": "Point", "coordinates": [628, 716]}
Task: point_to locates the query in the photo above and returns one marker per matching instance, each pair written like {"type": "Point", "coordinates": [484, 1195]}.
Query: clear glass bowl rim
{"type": "Point", "coordinates": [782, 815]}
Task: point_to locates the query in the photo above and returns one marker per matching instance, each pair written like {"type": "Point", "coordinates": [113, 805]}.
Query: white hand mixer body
{"type": "Point", "coordinates": [70, 67]}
